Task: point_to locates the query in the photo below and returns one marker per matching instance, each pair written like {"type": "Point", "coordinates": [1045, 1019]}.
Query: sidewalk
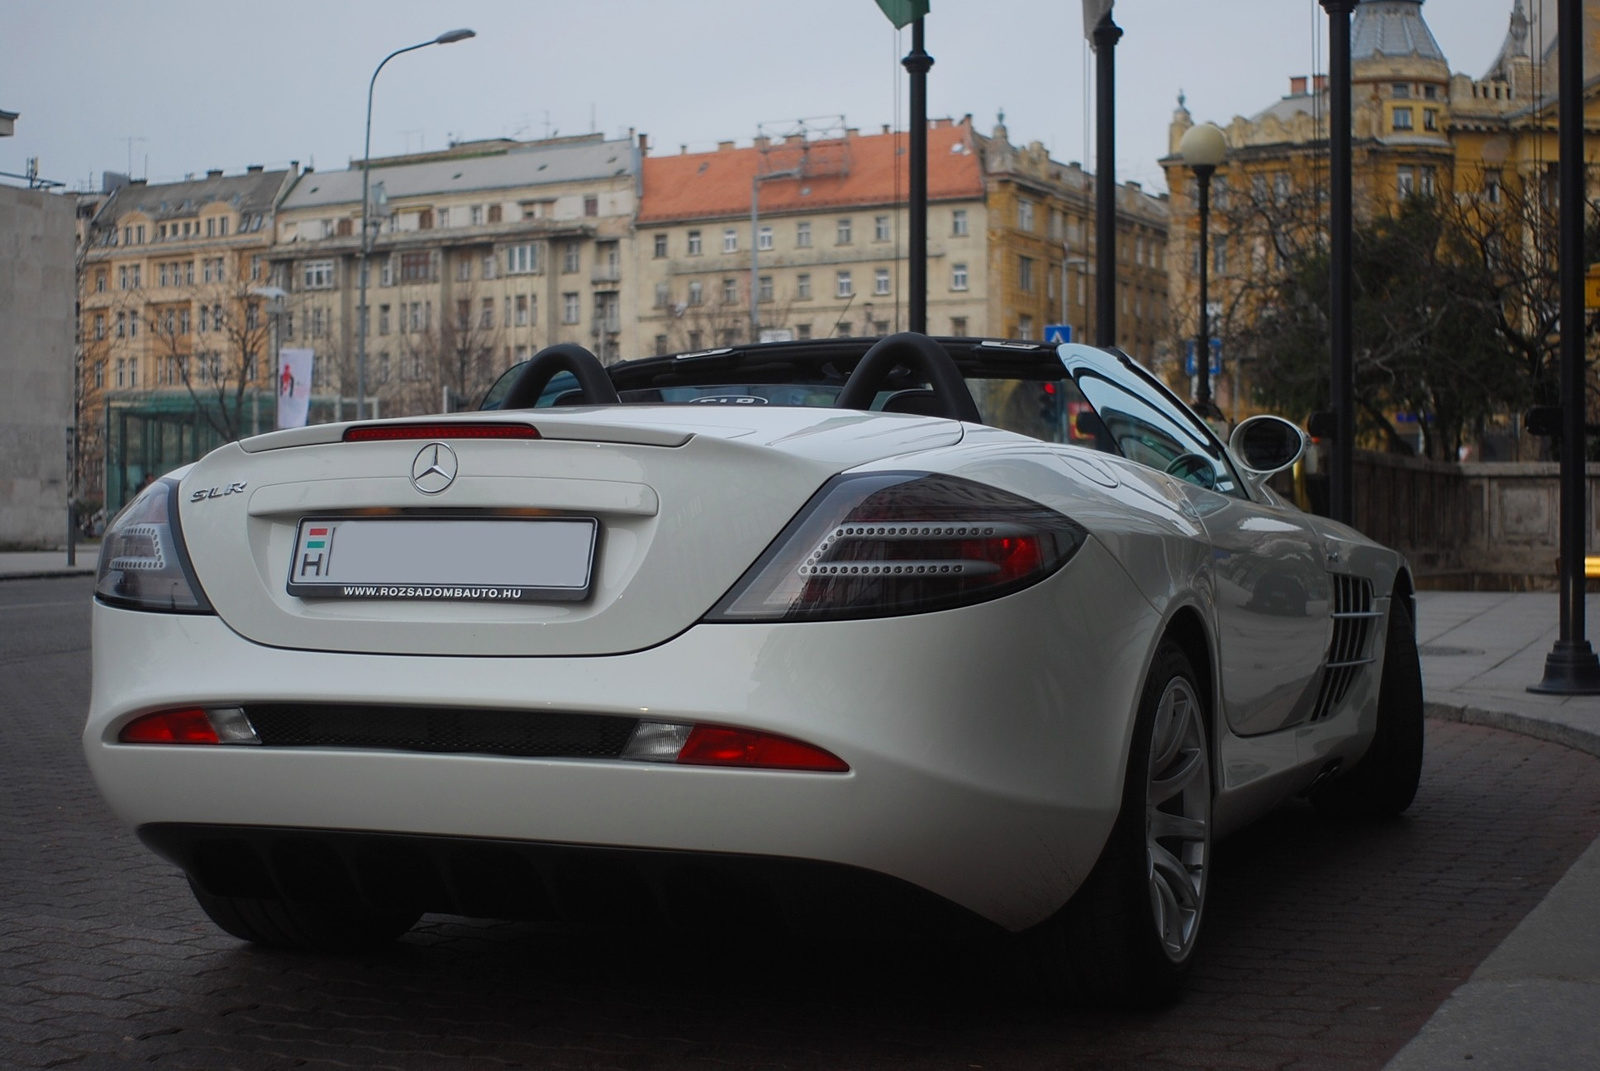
{"type": "Point", "coordinates": [1532, 1003]}
{"type": "Point", "coordinates": [21, 565]}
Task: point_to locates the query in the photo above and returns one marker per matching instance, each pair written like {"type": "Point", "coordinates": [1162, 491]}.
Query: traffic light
{"type": "Point", "coordinates": [1048, 401]}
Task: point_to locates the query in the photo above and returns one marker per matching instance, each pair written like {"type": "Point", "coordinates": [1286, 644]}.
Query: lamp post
{"type": "Point", "coordinates": [447, 38]}
{"type": "Point", "coordinates": [1202, 149]}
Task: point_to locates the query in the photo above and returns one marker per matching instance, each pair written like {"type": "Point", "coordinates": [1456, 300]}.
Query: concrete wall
{"type": "Point", "coordinates": [1487, 525]}
{"type": "Point", "coordinates": [36, 346]}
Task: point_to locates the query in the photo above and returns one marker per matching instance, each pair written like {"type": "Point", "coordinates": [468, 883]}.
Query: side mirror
{"type": "Point", "coordinates": [1267, 444]}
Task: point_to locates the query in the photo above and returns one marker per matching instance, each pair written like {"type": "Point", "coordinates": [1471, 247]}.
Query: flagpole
{"type": "Point", "coordinates": [918, 64]}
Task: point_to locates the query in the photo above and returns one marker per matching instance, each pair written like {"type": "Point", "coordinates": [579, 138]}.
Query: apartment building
{"type": "Point", "coordinates": [1042, 250]}
{"type": "Point", "coordinates": [481, 255]}
{"type": "Point", "coordinates": [823, 254]}
{"type": "Point", "coordinates": [175, 350]}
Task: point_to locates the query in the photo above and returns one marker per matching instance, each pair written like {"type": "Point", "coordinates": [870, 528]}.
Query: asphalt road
{"type": "Point", "coordinates": [1328, 945]}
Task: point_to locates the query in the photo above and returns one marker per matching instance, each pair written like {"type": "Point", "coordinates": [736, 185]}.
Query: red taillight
{"type": "Point", "coordinates": [368, 433]}
{"type": "Point", "coordinates": [715, 745]}
{"type": "Point", "coordinates": [879, 544]}
{"type": "Point", "coordinates": [189, 726]}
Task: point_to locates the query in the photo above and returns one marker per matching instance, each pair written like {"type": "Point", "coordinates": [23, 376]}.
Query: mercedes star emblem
{"type": "Point", "coordinates": [434, 468]}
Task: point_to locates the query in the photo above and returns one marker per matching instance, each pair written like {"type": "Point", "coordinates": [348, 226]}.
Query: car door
{"type": "Point", "coordinates": [1270, 587]}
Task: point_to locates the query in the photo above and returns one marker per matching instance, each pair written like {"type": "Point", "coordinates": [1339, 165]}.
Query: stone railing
{"type": "Point", "coordinates": [1490, 526]}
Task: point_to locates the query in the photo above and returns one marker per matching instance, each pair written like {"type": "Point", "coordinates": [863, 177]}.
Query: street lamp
{"type": "Point", "coordinates": [1202, 149]}
{"type": "Point", "coordinates": [449, 37]}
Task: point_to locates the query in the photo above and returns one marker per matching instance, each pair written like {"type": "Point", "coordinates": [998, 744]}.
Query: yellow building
{"type": "Point", "coordinates": [1042, 252]}
{"type": "Point", "coordinates": [1417, 130]}
{"type": "Point", "coordinates": [174, 339]}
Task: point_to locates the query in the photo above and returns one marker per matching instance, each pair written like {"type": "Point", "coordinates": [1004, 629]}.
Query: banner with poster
{"type": "Point", "coordinates": [294, 387]}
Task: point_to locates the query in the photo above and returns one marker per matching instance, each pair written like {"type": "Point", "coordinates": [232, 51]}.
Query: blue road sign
{"type": "Point", "coordinates": [1216, 358]}
{"type": "Point", "coordinates": [1057, 334]}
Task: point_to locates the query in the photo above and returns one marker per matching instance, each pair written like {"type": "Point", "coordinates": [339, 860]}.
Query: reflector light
{"type": "Point", "coordinates": [716, 745]}
{"type": "Point", "coordinates": [188, 726]}
{"type": "Point", "coordinates": [366, 433]}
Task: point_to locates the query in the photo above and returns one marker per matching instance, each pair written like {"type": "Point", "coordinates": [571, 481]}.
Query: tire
{"type": "Point", "coordinates": [1128, 937]}
{"type": "Point", "coordinates": [305, 926]}
{"type": "Point", "coordinates": [1384, 781]}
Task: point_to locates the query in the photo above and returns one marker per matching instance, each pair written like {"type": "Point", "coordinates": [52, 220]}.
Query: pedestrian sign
{"type": "Point", "coordinates": [1057, 334]}
{"type": "Point", "coordinates": [1216, 358]}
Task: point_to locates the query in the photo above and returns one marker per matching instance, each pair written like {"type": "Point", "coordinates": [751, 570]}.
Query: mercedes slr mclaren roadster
{"type": "Point", "coordinates": [843, 636]}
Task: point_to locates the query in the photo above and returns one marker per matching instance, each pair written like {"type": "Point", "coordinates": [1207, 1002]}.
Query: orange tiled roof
{"type": "Point", "coordinates": [709, 185]}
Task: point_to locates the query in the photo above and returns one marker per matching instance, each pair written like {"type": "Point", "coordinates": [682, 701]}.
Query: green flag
{"type": "Point", "coordinates": [903, 12]}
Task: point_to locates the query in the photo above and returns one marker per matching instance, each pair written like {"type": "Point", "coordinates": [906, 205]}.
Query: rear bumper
{"type": "Point", "coordinates": [634, 889]}
{"type": "Point", "coordinates": [986, 745]}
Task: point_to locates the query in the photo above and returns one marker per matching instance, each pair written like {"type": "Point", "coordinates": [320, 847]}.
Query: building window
{"type": "Point", "coordinates": [319, 322]}
{"type": "Point", "coordinates": [1428, 176]}
{"type": "Point", "coordinates": [802, 331]}
{"type": "Point", "coordinates": [591, 205]}
{"type": "Point", "coordinates": [1025, 275]}
{"type": "Point", "coordinates": [661, 245]}
{"type": "Point", "coordinates": [802, 235]}
{"type": "Point", "coordinates": [663, 295]}
{"type": "Point", "coordinates": [764, 238]}
{"type": "Point", "coordinates": [522, 259]}
{"type": "Point", "coordinates": [1406, 182]}
{"type": "Point", "coordinates": [697, 293]}
{"type": "Point", "coordinates": [958, 326]}
{"type": "Point", "coordinates": [696, 339]}
{"type": "Point", "coordinates": [764, 288]}
{"type": "Point", "coordinates": [314, 274]}
{"type": "Point", "coordinates": [99, 326]}
{"type": "Point", "coordinates": [843, 286]}
{"type": "Point", "coordinates": [1025, 215]}
{"type": "Point", "coordinates": [1281, 184]}
{"type": "Point", "coordinates": [730, 240]}
{"type": "Point", "coordinates": [416, 267]}
{"type": "Point", "coordinates": [802, 286]}
{"type": "Point", "coordinates": [569, 308]}
{"type": "Point", "coordinates": [1430, 118]}
{"type": "Point", "coordinates": [522, 310]}
{"type": "Point", "coordinates": [383, 319]}
{"type": "Point", "coordinates": [730, 291]}
{"type": "Point", "coordinates": [1491, 187]}
{"type": "Point", "coordinates": [844, 329]}
{"type": "Point", "coordinates": [1402, 118]}
{"type": "Point", "coordinates": [880, 281]}
{"type": "Point", "coordinates": [661, 345]}
{"type": "Point", "coordinates": [958, 223]}
{"type": "Point", "coordinates": [1219, 256]}
{"type": "Point", "coordinates": [842, 235]}
{"type": "Point", "coordinates": [958, 277]}
{"type": "Point", "coordinates": [476, 214]}
{"type": "Point", "coordinates": [122, 324]}
{"type": "Point", "coordinates": [100, 282]}
{"type": "Point", "coordinates": [694, 243]}
{"type": "Point", "coordinates": [1402, 90]}
{"type": "Point", "coordinates": [486, 314]}
{"type": "Point", "coordinates": [569, 259]}
{"type": "Point", "coordinates": [880, 228]}
{"type": "Point", "coordinates": [1024, 326]}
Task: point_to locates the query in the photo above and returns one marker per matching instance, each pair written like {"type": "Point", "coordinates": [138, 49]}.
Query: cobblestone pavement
{"type": "Point", "coordinates": [1328, 945]}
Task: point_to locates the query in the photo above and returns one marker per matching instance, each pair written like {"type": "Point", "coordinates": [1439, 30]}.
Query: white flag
{"type": "Point", "coordinates": [294, 387]}
{"type": "Point", "coordinates": [1093, 12]}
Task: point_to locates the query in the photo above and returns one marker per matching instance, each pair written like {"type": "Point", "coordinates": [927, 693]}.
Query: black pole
{"type": "Point", "coordinates": [1106, 35]}
{"type": "Point", "coordinates": [1342, 464]}
{"type": "Point", "coordinates": [1571, 668]}
{"type": "Point", "coordinates": [918, 62]}
{"type": "Point", "coordinates": [1202, 345]}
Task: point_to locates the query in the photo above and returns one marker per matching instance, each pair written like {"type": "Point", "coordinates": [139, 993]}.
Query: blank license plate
{"type": "Point", "coordinates": [490, 560]}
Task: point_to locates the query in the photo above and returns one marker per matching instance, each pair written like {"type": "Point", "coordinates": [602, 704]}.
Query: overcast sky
{"type": "Point", "coordinates": [197, 84]}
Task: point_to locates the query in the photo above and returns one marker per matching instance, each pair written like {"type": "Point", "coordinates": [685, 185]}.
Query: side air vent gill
{"type": "Point", "coordinates": [1353, 618]}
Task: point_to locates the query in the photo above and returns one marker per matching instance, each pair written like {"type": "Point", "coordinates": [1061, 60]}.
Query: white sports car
{"type": "Point", "coordinates": [825, 635]}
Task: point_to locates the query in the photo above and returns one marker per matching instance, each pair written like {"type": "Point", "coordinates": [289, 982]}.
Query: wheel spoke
{"type": "Point", "coordinates": [1170, 783]}
{"type": "Point", "coordinates": [1170, 873]}
{"type": "Point", "coordinates": [1164, 825]}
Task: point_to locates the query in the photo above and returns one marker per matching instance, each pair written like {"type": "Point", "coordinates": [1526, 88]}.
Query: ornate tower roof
{"type": "Point", "coordinates": [1392, 29]}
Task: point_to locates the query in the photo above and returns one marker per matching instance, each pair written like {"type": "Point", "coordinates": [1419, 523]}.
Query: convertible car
{"type": "Point", "coordinates": [887, 636]}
